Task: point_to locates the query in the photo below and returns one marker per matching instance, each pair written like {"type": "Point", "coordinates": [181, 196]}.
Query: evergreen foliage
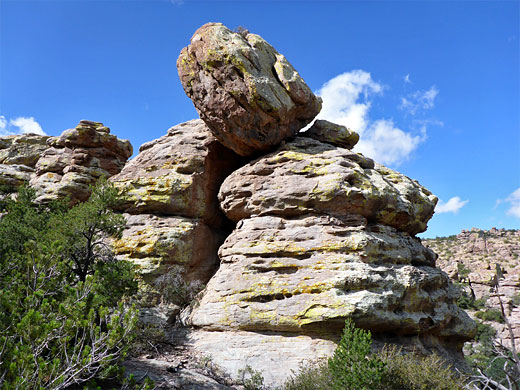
{"type": "Point", "coordinates": [352, 366]}
{"type": "Point", "coordinates": [61, 292]}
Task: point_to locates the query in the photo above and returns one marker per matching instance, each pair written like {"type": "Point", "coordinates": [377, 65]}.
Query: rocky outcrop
{"type": "Point", "coordinates": [64, 166]}
{"type": "Point", "coordinates": [472, 257]}
{"type": "Point", "coordinates": [247, 93]}
{"type": "Point", "coordinates": [18, 157]}
{"type": "Point", "coordinates": [169, 193]}
{"type": "Point", "coordinates": [77, 159]}
{"type": "Point", "coordinates": [155, 243]}
{"type": "Point", "coordinates": [306, 176]}
{"type": "Point", "coordinates": [324, 234]}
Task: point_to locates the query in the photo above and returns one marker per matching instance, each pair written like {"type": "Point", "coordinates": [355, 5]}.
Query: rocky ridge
{"type": "Point", "coordinates": [472, 256]}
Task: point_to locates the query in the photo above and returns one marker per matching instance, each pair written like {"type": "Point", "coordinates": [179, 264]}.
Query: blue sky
{"type": "Point", "coordinates": [432, 86]}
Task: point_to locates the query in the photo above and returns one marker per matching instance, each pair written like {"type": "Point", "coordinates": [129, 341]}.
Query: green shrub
{"type": "Point", "coordinates": [175, 288]}
{"type": "Point", "coordinates": [490, 315]}
{"type": "Point", "coordinates": [61, 292]}
{"type": "Point", "coordinates": [311, 376]}
{"type": "Point", "coordinates": [409, 372]}
{"type": "Point", "coordinates": [251, 379]}
{"type": "Point", "coordinates": [352, 366]}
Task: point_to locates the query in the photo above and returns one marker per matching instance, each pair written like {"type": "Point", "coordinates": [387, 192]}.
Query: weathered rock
{"type": "Point", "coordinates": [12, 176]}
{"type": "Point", "coordinates": [309, 274]}
{"type": "Point", "coordinates": [177, 174]}
{"type": "Point", "coordinates": [305, 176]}
{"type": "Point", "coordinates": [155, 243]}
{"type": "Point", "coordinates": [18, 157]}
{"type": "Point", "coordinates": [332, 133]}
{"type": "Point", "coordinates": [473, 255]}
{"type": "Point", "coordinates": [23, 149]}
{"type": "Point", "coordinates": [276, 356]}
{"type": "Point", "coordinates": [248, 94]}
{"type": "Point", "coordinates": [76, 160]}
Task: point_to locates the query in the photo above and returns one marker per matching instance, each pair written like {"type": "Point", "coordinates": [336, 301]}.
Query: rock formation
{"type": "Point", "coordinates": [18, 157]}
{"type": "Point", "coordinates": [304, 234]}
{"type": "Point", "coordinates": [473, 255]}
{"type": "Point", "coordinates": [170, 197]}
{"type": "Point", "coordinates": [324, 234]}
{"type": "Point", "coordinates": [77, 159]}
{"type": "Point", "coordinates": [64, 166]}
{"type": "Point", "coordinates": [247, 93]}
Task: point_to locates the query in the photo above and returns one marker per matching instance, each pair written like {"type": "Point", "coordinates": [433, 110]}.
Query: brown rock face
{"type": "Point", "coordinates": [323, 234]}
{"type": "Point", "coordinates": [170, 192]}
{"type": "Point", "coordinates": [178, 174]}
{"type": "Point", "coordinates": [473, 255]}
{"type": "Point", "coordinates": [76, 160]}
{"type": "Point", "coordinates": [245, 91]}
{"type": "Point", "coordinates": [332, 133]}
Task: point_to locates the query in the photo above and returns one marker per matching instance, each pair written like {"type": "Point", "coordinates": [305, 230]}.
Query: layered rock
{"type": "Point", "coordinates": [77, 159]}
{"type": "Point", "coordinates": [247, 93]}
{"type": "Point", "coordinates": [324, 234]}
{"type": "Point", "coordinates": [307, 176]}
{"type": "Point", "coordinates": [169, 193]}
{"type": "Point", "coordinates": [18, 157]}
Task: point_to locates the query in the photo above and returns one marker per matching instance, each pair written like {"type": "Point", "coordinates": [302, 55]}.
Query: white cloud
{"type": "Point", "coordinates": [514, 203]}
{"type": "Point", "coordinates": [451, 206]}
{"type": "Point", "coordinates": [341, 97]}
{"type": "Point", "coordinates": [419, 100]}
{"type": "Point", "coordinates": [407, 79]}
{"type": "Point", "coordinates": [387, 143]}
{"type": "Point", "coordinates": [347, 99]}
{"type": "Point", "coordinates": [20, 125]}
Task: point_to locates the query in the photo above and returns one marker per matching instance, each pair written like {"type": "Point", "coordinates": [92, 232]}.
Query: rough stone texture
{"type": "Point", "coordinates": [306, 176]}
{"type": "Point", "coordinates": [177, 174]}
{"type": "Point", "coordinates": [77, 159]}
{"type": "Point", "coordinates": [276, 356]}
{"type": "Point", "coordinates": [248, 94]}
{"type": "Point", "coordinates": [479, 251]}
{"type": "Point", "coordinates": [332, 133]}
{"type": "Point", "coordinates": [155, 243]}
{"type": "Point", "coordinates": [309, 274]}
{"type": "Point", "coordinates": [23, 149]}
{"type": "Point", "coordinates": [323, 234]}
{"type": "Point", "coordinates": [18, 157]}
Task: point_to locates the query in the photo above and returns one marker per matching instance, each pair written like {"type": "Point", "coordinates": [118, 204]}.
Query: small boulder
{"type": "Point", "coordinates": [248, 94]}
{"type": "Point", "coordinates": [332, 133]}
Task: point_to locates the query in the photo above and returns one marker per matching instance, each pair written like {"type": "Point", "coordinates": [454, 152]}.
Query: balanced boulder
{"type": "Point", "coordinates": [247, 93]}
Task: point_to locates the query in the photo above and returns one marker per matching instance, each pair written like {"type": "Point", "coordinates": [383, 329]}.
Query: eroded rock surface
{"type": "Point", "coordinates": [324, 234]}
{"type": "Point", "coordinates": [77, 159]}
{"type": "Point", "coordinates": [248, 94]}
{"type": "Point", "coordinates": [332, 133]}
{"type": "Point", "coordinates": [306, 176]}
{"type": "Point", "coordinates": [177, 174]}
{"type": "Point", "coordinates": [18, 157]}
{"type": "Point", "coordinates": [155, 243]}
{"type": "Point", "coordinates": [170, 194]}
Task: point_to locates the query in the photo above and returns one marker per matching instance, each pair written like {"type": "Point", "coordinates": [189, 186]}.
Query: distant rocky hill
{"type": "Point", "coordinates": [472, 257]}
